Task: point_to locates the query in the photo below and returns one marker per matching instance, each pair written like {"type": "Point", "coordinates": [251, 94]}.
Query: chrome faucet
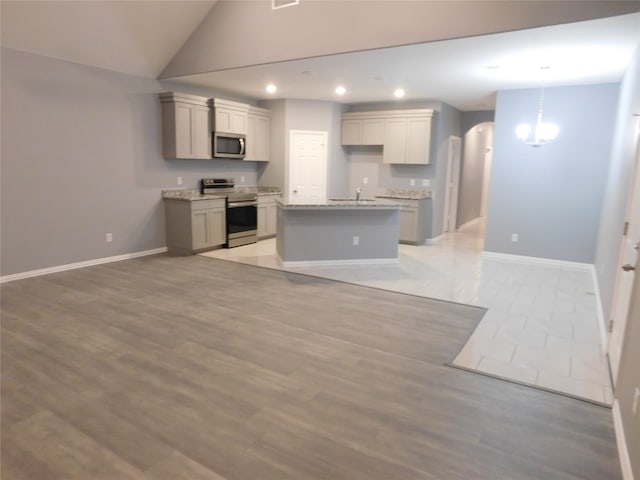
{"type": "Point", "coordinates": [358, 192]}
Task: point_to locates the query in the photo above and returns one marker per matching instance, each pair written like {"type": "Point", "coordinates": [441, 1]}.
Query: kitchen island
{"type": "Point", "coordinates": [337, 232]}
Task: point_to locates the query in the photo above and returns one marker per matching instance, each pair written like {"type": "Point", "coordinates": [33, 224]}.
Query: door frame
{"type": "Point", "coordinates": [623, 288]}
{"type": "Point", "coordinates": [486, 179]}
{"type": "Point", "coordinates": [452, 185]}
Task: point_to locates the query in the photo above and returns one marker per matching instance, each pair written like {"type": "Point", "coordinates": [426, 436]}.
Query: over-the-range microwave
{"type": "Point", "coordinates": [229, 145]}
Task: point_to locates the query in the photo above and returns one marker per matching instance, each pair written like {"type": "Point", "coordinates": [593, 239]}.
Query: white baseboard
{"type": "Point", "coordinates": [328, 263]}
{"type": "Point", "coordinates": [623, 451]}
{"type": "Point", "coordinates": [468, 224]}
{"type": "Point", "coordinates": [73, 266]}
{"type": "Point", "coordinates": [539, 261]}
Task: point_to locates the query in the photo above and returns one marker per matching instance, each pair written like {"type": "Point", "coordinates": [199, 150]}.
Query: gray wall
{"type": "Point", "coordinates": [220, 42]}
{"type": "Point", "coordinates": [291, 114]}
{"type": "Point", "coordinates": [622, 159]}
{"type": "Point", "coordinates": [471, 119]}
{"type": "Point", "coordinates": [552, 195]}
{"type": "Point", "coordinates": [81, 156]}
{"type": "Point", "coordinates": [476, 141]}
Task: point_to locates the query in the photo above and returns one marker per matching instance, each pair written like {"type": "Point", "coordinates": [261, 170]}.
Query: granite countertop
{"type": "Point", "coordinates": [337, 204]}
{"type": "Point", "coordinates": [404, 194]}
{"type": "Point", "coordinates": [192, 194]}
{"type": "Point", "coordinates": [188, 195]}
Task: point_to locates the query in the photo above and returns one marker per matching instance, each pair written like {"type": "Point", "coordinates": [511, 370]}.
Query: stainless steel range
{"type": "Point", "coordinates": [242, 210]}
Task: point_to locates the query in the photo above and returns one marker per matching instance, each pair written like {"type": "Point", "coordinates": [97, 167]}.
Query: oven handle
{"type": "Point", "coordinates": [242, 204]}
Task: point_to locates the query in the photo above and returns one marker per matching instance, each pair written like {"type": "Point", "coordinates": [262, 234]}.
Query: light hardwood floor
{"type": "Point", "coordinates": [194, 368]}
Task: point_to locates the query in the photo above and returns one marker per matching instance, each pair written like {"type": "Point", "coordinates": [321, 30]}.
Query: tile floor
{"type": "Point", "coordinates": [541, 327]}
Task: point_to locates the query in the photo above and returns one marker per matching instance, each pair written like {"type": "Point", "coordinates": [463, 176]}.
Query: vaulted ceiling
{"type": "Point", "coordinates": [135, 37]}
{"type": "Point", "coordinates": [458, 52]}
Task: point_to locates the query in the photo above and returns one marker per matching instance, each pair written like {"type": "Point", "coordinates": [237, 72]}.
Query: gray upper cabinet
{"type": "Point", "coordinates": [258, 134]}
{"type": "Point", "coordinates": [186, 128]}
{"type": "Point", "coordinates": [407, 138]}
{"type": "Point", "coordinates": [229, 117]}
{"type": "Point", "coordinates": [362, 128]}
{"type": "Point", "coordinates": [405, 135]}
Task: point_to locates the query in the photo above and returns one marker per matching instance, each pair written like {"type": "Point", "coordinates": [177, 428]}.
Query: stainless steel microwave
{"type": "Point", "coordinates": [229, 145]}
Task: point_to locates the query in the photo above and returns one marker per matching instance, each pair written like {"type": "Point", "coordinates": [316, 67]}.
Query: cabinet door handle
{"type": "Point", "coordinates": [628, 268]}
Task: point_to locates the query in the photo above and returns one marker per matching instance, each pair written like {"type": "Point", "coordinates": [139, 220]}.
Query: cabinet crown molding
{"type": "Point", "coordinates": [415, 112]}
{"type": "Point", "coordinates": [167, 97]}
{"type": "Point", "coordinates": [228, 104]}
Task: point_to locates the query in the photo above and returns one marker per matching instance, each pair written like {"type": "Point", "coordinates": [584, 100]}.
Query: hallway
{"type": "Point", "coordinates": [541, 327]}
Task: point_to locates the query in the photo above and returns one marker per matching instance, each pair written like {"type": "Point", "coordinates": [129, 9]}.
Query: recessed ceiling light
{"type": "Point", "coordinates": [399, 93]}
{"type": "Point", "coordinates": [271, 88]}
{"type": "Point", "coordinates": [340, 90]}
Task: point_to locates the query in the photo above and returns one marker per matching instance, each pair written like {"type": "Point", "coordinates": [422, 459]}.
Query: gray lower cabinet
{"type": "Point", "coordinates": [413, 222]}
{"type": "Point", "coordinates": [195, 226]}
{"type": "Point", "coordinates": [267, 216]}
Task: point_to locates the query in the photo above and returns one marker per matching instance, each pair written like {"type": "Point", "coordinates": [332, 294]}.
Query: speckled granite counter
{"type": "Point", "coordinates": [346, 204]}
{"type": "Point", "coordinates": [188, 195]}
{"type": "Point", "coordinates": [406, 194]}
{"type": "Point", "coordinates": [192, 194]}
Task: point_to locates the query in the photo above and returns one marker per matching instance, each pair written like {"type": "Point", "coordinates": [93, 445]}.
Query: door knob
{"type": "Point", "coordinates": [628, 268]}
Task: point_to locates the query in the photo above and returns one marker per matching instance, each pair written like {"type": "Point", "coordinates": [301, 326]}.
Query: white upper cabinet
{"type": "Point", "coordinates": [405, 135]}
{"type": "Point", "coordinates": [362, 129]}
{"type": "Point", "coordinates": [186, 131]}
{"type": "Point", "coordinates": [407, 139]}
{"type": "Point", "coordinates": [229, 117]}
{"type": "Point", "coordinates": [258, 134]}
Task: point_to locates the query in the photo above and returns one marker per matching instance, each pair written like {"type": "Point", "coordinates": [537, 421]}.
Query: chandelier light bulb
{"type": "Point", "coordinates": [523, 130]}
{"type": "Point", "coordinates": [542, 132]}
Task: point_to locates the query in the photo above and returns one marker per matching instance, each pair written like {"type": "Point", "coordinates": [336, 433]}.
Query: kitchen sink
{"type": "Point", "coordinates": [352, 199]}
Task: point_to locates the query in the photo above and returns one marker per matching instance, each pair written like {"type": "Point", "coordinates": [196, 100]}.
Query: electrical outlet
{"type": "Point", "coordinates": [426, 182]}
{"type": "Point", "coordinates": [514, 237]}
{"type": "Point", "coordinates": [356, 240]}
{"type": "Point", "coordinates": [179, 180]}
{"type": "Point", "coordinates": [108, 237]}
{"type": "Point", "coordinates": [634, 407]}
{"type": "Point", "coordinates": [412, 182]}
{"type": "Point", "coordinates": [365, 180]}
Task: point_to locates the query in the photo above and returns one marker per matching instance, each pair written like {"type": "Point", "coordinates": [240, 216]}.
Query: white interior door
{"type": "Point", "coordinates": [453, 184]}
{"type": "Point", "coordinates": [624, 279]}
{"type": "Point", "coordinates": [308, 165]}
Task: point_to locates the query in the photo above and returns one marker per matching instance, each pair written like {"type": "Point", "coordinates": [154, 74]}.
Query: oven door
{"type": "Point", "coordinates": [242, 223]}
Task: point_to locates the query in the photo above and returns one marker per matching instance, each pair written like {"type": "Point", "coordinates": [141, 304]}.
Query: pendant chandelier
{"type": "Point", "coordinates": [542, 132]}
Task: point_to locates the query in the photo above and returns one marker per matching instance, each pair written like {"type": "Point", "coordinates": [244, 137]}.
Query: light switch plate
{"type": "Point", "coordinates": [426, 182]}
{"type": "Point", "coordinates": [412, 182]}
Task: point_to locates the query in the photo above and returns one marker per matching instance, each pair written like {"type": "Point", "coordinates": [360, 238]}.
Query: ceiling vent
{"type": "Point", "coordinates": [276, 4]}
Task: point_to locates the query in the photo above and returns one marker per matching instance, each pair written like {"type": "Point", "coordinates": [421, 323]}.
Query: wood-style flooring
{"type": "Point", "coordinates": [194, 368]}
